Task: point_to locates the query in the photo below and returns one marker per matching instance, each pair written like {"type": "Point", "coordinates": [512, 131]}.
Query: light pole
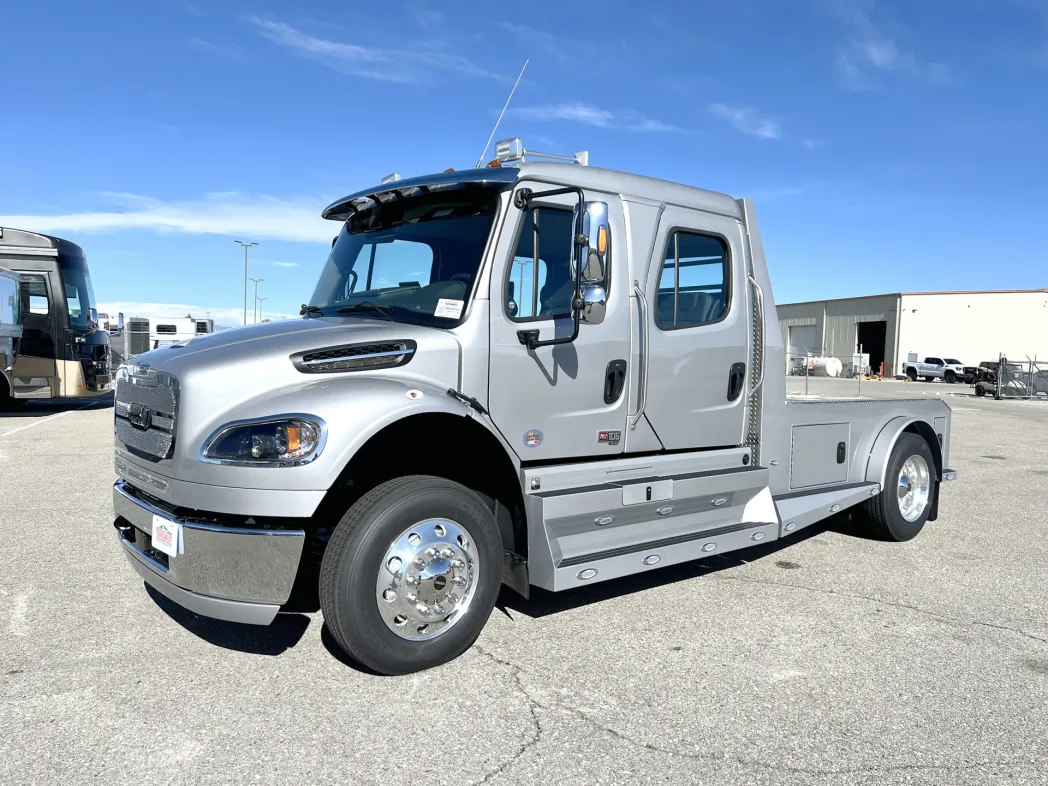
{"type": "Point", "coordinates": [246, 247]}
{"type": "Point", "coordinates": [260, 299]}
{"type": "Point", "coordinates": [256, 280]}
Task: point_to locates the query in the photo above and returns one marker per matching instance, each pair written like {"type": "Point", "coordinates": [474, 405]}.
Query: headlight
{"type": "Point", "coordinates": [285, 440]}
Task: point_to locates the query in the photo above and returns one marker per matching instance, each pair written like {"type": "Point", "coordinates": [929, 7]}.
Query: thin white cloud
{"type": "Point", "coordinates": [625, 120]}
{"type": "Point", "coordinates": [812, 144]}
{"type": "Point", "coordinates": [747, 120]}
{"type": "Point", "coordinates": [560, 48]}
{"type": "Point", "coordinates": [229, 51]}
{"type": "Point", "coordinates": [253, 217]}
{"type": "Point", "coordinates": [872, 51]}
{"type": "Point", "coordinates": [271, 263]}
{"type": "Point", "coordinates": [224, 316]}
{"type": "Point", "coordinates": [428, 17]}
{"type": "Point", "coordinates": [416, 65]}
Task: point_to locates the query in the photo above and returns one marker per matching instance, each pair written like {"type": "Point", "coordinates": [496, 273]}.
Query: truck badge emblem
{"type": "Point", "coordinates": [142, 368]}
{"type": "Point", "coordinates": [532, 438]}
{"type": "Point", "coordinates": [609, 437]}
{"type": "Point", "coordinates": [141, 416]}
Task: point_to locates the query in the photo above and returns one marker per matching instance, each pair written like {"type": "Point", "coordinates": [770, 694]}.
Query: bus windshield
{"type": "Point", "coordinates": [410, 260]}
{"type": "Point", "coordinates": [79, 295]}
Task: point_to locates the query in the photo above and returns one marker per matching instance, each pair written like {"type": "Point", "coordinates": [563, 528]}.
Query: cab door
{"type": "Point", "coordinates": [567, 400]}
{"type": "Point", "coordinates": [35, 366]}
{"type": "Point", "coordinates": [699, 320]}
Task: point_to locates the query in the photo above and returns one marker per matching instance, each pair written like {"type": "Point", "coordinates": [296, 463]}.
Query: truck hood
{"type": "Point", "coordinates": [247, 373]}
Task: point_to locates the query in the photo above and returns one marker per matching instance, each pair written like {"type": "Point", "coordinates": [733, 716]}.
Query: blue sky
{"type": "Point", "coordinates": [889, 145]}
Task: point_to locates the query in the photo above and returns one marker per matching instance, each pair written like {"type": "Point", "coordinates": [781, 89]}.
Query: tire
{"type": "Point", "coordinates": [912, 374]}
{"type": "Point", "coordinates": [354, 572]}
{"type": "Point", "coordinates": [950, 377]}
{"type": "Point", "coordinates": [883, 515]}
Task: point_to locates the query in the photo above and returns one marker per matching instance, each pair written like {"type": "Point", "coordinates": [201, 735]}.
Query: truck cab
{"type": "Point", "coordinates": [532, 374]}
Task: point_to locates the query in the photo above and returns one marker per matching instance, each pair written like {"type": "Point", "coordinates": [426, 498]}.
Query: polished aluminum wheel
{"type": "Point", "coordinates": [915, 483]}
{"type": "Point", "coordinates": [427, 579]}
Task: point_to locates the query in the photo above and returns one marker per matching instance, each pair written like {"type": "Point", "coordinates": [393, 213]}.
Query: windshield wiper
{"type": "Point", "coordinates": [386, 311]}
{"type": "Point", "coordinates": [307, 310]}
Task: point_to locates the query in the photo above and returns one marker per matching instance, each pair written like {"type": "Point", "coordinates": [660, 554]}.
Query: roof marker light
{"type": "Point", "coordinates": [392, 178]}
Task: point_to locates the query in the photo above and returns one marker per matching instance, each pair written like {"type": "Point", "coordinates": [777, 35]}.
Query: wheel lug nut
{"type": "Point", "coordinates": [413, 580]}
{"type": "Point", "coordinates": [438, 609]}
{"type": "Point", "coordinates": [419, 563]}
{"type": "Point", "coordinates": [446, 553]}
{"type": "Point", "coordinates": [430, 552]}
{"type": "Point", "coordinates": [457, 563]}
{"type": "Point", "coordinates": [412, 597]}
{"type": "Point", "coordinates": [422, 608]}
{"type": "Point", "coordinates": [459, 580]}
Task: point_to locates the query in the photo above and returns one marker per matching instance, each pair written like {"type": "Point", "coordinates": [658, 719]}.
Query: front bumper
{"type": "Point", "coordinates": [237, 573]}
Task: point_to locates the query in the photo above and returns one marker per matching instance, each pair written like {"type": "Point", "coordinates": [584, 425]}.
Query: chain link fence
{"type": "Point", "coordinates": [126, 343]}
{"type": "Point", "coordinates": [1012, 379]}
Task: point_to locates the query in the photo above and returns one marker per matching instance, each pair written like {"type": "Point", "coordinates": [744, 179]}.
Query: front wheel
{"type": "Point", "coordinates": [411, 574]}
{"type": "Point", "coordinates": [950, 377]}
{"type": "Point", "coordinates": [902, 508]}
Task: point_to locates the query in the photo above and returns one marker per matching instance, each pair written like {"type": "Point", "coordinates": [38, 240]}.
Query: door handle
{"type": "Point", "coordinates": [736, 376]}
{"type": "Point", "coordinates": [614, 381]}
{"type": "Point", "coordinates": [643, 303]}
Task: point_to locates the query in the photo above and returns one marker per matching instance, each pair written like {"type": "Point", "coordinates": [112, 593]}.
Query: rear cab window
{"type": "Point", "coordinates": [693, 282]}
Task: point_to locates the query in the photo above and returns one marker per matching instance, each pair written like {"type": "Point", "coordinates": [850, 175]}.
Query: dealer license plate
{"type": "Point", "coordinates": [166, 535]}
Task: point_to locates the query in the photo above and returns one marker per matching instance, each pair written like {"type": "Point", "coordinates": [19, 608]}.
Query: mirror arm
{"type": "Point", "coordinates": [522, 199]}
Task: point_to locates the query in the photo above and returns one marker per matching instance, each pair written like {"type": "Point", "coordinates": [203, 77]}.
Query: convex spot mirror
{"type": "Point", "coordinates": [595, 263]}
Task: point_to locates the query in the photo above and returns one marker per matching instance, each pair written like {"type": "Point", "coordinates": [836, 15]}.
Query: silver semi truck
{"type": "Point", "coordinates": [533, 374]}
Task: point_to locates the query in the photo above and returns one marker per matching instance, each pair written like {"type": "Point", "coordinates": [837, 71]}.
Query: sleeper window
{"type": "Point", "coordinates": [693, 283]}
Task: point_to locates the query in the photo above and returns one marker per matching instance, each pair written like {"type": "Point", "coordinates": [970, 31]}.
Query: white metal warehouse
{"type": "Point", "coordinates": [968, 326]}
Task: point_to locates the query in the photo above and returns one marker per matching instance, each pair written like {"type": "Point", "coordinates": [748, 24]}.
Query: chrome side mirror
{"type": "Point", "coordinates": [597, 254]}
{"type": "Point", "coordinates": [92, 315]}
{"type": "Point", "coordinates": [120, 320]}
{"type": "Point", "coordinates": [594, 304]}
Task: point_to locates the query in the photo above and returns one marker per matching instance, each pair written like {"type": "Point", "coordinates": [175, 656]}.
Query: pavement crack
{"type": "Point", "coordinates": [884, 602]}
{"type": "Point", "coordinates": [533, 707]}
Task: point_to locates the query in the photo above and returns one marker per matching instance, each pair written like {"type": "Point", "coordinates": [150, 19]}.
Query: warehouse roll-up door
{"type": "Point", "coordinates": [802, 340]}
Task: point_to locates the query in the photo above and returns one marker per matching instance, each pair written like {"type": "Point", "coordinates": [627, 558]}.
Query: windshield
{"type": "Point", "coordinates": [79, 295]}
{"type": "Point", "coordinates": [953, 362]}
{"type": "Point", "coordinates": [411, 260]}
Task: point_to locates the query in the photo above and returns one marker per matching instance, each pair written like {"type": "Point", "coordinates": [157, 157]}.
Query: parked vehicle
{"type": "Point", "coordinates": [10, 320]}
{"type": "Point", "coordinates": [534, 374]}
{"type": "Point", "coordinates": [64, 352]}
{"type": "Point", "coordinates": [947, 369]}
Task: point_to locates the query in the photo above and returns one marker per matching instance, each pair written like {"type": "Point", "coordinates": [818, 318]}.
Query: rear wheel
{"type": "Point", "coordinates": [900, 511]}
{"type": "Point", "coordinates": [411, 574]}
{"type": "Point", "coordinates": [912, 374]}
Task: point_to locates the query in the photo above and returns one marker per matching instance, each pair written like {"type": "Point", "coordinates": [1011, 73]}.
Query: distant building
{"type": "Point", "coordinates": [968, 326]}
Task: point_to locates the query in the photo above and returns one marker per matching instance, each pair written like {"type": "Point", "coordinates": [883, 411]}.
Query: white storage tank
{"type": "Point", "coordinates": [827, 367]}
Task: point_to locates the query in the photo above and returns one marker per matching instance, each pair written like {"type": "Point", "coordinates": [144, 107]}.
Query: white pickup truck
{"type": "Point", "coordinates": [947, 369]}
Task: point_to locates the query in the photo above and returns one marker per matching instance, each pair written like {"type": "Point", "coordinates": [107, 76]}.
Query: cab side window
{"type": "Point", "coordinates": [540, 283]}
{"type": "Point", "coordinates": [693, 282]}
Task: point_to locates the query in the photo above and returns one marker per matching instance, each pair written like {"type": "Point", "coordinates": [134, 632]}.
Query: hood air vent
{"type": "Point", "coordinates": [354, 357]}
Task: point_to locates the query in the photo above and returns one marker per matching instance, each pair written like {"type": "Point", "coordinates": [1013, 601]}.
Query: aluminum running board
{"type": "Point", "coordinates": [628, 519]}
{"type": "Point", "coordinates": [800, 510]}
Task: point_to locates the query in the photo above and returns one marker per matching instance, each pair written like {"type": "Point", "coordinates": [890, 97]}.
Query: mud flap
{"type": "Point", "coordinates": [935, 504]}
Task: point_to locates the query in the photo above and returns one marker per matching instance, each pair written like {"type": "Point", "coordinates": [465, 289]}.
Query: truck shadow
{"type": "Point", "coordinates": [41, 409]}
{"type": "Point", "coordinates": [285, 632]}
{"type": "Point", "coordinates": [543, 603]}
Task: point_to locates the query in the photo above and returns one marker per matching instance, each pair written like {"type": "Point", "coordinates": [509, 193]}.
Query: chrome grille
{"type": "Point", "coordinates": [146, 409]}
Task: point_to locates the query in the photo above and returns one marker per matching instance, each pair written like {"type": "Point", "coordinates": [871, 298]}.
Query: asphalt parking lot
{"type": "Point", "coordinates": [828, 659]}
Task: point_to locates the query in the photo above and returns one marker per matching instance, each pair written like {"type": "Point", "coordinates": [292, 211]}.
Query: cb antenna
{"type": "Point", "coordinates": [484, 152]}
